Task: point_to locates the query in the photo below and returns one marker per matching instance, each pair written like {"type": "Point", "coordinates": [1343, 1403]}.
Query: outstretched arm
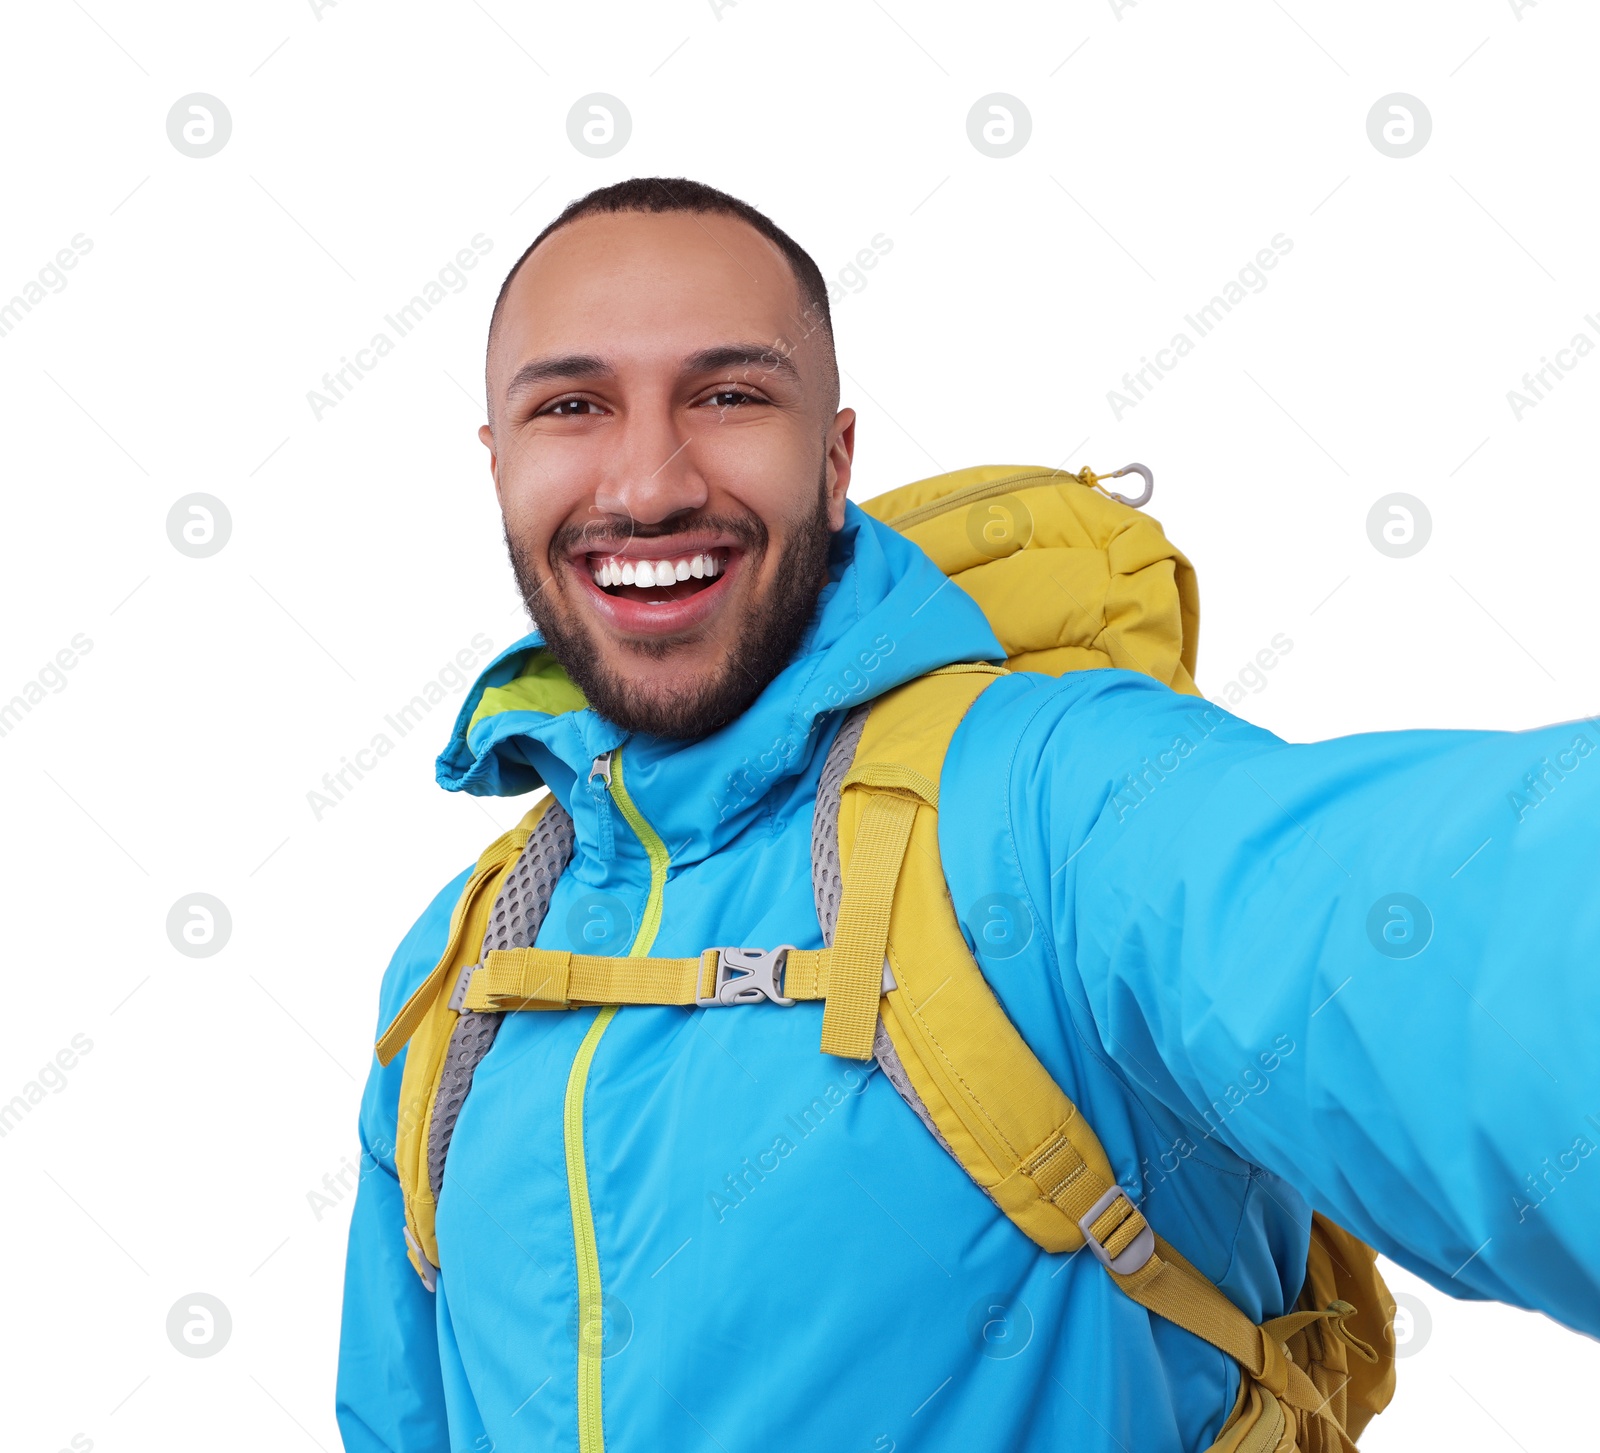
{"type": "Point", "coordinates": [1370, 965]}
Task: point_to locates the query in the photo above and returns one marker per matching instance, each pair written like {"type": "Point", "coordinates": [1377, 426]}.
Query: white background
{"type": "Point", "coordinates": [370, 143]}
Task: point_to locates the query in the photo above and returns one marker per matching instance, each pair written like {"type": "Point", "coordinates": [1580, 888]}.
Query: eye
{"type": "Point", "coordinates": [566, 408]}
{"type": "Point", "coordinates": [730, 398]}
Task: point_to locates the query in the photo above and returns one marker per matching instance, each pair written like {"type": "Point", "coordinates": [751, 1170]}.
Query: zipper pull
{"type": "Point", "coordinates": [601, 768]}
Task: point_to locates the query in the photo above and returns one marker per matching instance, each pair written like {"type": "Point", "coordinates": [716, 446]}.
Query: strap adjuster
{"type": "Point", "coordinates": [419, 1259]}
{"type": "Point", "coordinates": [458, 995]}
{"type": "Point", "coordinates": [747, 976]}
{"type": "Point", "coordinates": [1134, 1254]}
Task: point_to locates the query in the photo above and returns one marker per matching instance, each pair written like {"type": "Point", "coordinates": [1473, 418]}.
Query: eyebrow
{"type": "Point", "coordinates": [707, 360]}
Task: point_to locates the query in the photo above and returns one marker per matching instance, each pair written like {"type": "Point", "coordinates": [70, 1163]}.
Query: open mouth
{"type": "Point", "coordinates": [657, 581]}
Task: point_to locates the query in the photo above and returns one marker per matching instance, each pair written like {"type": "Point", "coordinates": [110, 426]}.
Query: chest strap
{"type": "Point", "coordinates": [539, 978]}
{"type": "Point", "coordinates": [850, 977]}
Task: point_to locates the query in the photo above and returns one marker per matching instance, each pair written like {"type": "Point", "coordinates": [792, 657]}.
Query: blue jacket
{"type": "Point", "coordinates": [1357, 975]}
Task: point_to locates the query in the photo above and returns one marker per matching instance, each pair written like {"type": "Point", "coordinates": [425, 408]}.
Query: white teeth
{"type": "Point", "coordinates": [650, 574]}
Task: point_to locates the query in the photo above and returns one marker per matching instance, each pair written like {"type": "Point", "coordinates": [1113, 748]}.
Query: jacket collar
{"type": "Point", "coordinates": [887, 615]}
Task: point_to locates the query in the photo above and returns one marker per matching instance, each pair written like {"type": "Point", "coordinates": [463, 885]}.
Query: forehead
{"type": "Point", "coordinates": [648, 287]}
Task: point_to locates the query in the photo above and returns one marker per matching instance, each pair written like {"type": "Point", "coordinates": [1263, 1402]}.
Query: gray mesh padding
{"type": "Point", "coordinates": [827, 884]}
{"type": "Point", "coordinates": [513, 923]}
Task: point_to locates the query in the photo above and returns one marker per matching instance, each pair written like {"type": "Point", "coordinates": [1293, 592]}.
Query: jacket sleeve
{"type": "Point", "coordinates": [1370, 965]}
{"type": "Point", "coordinates": [390, 1391]}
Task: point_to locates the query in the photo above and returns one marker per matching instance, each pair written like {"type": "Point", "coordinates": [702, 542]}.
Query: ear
{"type": "Point", "coordinates": [486, 436]}
{"type": "Point", "coordinates": [841, 451]}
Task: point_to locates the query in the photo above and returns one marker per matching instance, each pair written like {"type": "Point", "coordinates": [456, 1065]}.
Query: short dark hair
{"type": "Point", "coordinates": [680, 194]}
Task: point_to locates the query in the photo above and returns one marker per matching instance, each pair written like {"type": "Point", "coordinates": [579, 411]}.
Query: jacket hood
{"type": "Point", "coordinates": [886, 615]}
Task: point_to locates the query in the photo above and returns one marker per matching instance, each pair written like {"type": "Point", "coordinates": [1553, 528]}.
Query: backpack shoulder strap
{"type": "Point", "coordinates": [500, 908]}
{"type": "Point", "coordinates": [949, 1047]}
{"type": "Point", "coordinates": [1005, 1119]}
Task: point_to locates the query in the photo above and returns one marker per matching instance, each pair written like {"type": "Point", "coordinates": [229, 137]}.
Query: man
{"type": "Point", "coordinates": [785, 1257]}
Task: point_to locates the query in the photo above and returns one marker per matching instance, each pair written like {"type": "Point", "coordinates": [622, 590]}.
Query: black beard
{"type": "Point", "coordinates": [771, 633]}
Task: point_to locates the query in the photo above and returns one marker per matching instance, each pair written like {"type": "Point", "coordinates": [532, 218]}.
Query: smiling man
{"type": "Point", "coordinates": [1141, 978]}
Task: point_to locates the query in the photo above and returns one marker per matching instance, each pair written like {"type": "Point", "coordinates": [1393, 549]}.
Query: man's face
{"type": "Point", "coordinates": [662, 414]}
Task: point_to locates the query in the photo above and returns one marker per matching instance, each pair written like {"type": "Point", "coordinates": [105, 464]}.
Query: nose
{"type": "Point", "coordinates": [653, 473]}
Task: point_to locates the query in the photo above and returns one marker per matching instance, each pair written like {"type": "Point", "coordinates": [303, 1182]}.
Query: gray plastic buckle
{"type": "Point", "coordinates": [458, 995]}
{"type": "Point", "coordinates": [1131, 1257]}
{"type": "Point", "coordinates": [747, 976]}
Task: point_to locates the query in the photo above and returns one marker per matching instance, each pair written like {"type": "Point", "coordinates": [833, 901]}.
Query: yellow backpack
{"type": "Point", "coordinates": [897, 980]}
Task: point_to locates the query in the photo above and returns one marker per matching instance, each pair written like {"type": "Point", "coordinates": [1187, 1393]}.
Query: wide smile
{"type": "Point", "coordinates": [652, 589]}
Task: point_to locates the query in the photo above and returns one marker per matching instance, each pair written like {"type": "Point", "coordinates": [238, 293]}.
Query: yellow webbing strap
{"type": "Point", "coordinates": [850, 1013]}
{"type": "Point", "coordinates": [1007, 1122]}
{"type": "Point", "coordinates": [423, 1027]}
{"type": "Point", "coordinates": [1065, 1177]}
{"type": "Point", "coordinates": [1168, 1285]}
{"type": "Point", "coordinates": [536, 978]}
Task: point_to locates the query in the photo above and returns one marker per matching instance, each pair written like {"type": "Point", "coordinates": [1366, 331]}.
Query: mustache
{"type": "Point", "coordinates": [607, 532]}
